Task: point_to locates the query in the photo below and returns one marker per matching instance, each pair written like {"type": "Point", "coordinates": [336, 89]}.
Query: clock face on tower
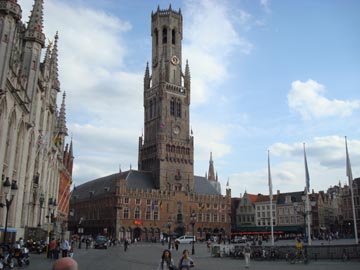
{"type": "Point", "coordinates": [175, 60]}
{"type": "Point", "coordinates": [176, 130]}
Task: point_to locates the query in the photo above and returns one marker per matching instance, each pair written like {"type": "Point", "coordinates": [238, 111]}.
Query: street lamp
{"type": "Point", "coordinates": [52, 204]}
{"type": "Point", "coordinates": [192, 222]}
{"type": "Point", "coordinates": [41, 201]}
{"type": "Point", "coordinates": [8, 188]}
{"type": "Point", "coordinates": [169, 227]}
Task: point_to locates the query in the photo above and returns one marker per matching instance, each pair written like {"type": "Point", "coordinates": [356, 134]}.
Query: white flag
{"type": "Point", "coordinates": [348, 166]}
{"type": "Point", "coordinates": [269, 177]}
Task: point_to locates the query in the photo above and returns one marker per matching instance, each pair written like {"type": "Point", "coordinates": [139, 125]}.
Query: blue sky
{"type": "Point", "coordinates": [266, 75]}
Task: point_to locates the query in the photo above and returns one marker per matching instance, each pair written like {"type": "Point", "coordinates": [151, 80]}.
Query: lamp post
{"type": "Point", "coordinates": [169, 227]}
{"type": "Point", "coordinates": [52, 204]}
{"type": "Point", "coordinates": [8, 188]}
{"type": "Point", "coordinates": [41, 201]}
{"type": "Point", "coordinates": [192, 222]}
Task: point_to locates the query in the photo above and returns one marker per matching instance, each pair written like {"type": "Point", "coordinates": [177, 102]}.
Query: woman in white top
{"type": "Point", "coordinates": [185, 262]}
{"type": "Point", "coordinates": [166, 262]}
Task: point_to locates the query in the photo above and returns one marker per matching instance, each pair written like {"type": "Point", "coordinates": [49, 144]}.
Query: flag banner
{"type": "Point", "coordinates": [269, 178]}
{"type": "Point", "coordinates": [348, 166]}
{"type": "Point", "coordinates": [307, 176]}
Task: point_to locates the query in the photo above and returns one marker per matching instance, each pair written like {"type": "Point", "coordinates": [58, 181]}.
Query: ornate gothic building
{"type": "Point", "coordinates": [34, 165]}
{"type": "Point", "coordinates": [163, 194]}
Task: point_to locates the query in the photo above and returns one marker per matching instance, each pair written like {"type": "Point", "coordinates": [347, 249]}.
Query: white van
{"type": "Point", "coordinates": [186, 239]}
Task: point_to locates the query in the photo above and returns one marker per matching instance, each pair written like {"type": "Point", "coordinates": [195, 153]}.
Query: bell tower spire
{"type": "Point", "coordinates": [34, 30]}
{"type": "Point", "coordinates": [167, 146]}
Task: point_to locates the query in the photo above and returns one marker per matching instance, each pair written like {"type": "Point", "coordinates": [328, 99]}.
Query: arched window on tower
{"type": "Point", "coordinates": [178, 108]}
{"type": "Point", "coordinates": [172, 107]}
{"type": "Point", "coordinates": [151, 109]}
{"type": "Point", "coordinates": [154, 110]}
{"type": "Point", "coordinates": [156, 37]}
{"type": "Point", "coordinates": [173, 37]}
{"type": "Point", "coordinates": [164, 35]}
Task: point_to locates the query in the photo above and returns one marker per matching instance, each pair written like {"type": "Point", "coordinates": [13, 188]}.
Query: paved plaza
{"type": "Point", "coordinates": [145, 256]}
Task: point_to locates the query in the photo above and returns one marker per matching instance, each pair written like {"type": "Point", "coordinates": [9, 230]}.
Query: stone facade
{"type": "Point", "coordinates": [32, 130]}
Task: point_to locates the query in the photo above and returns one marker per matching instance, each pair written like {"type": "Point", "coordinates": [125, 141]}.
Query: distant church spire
{"type": "Point", "coordinates": [211, 174]}
{"type": "Point", "coordinates": [147, 77]}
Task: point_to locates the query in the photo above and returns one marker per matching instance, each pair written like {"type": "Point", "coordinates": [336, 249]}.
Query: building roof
{"type": "Point", "coordinates": [134, 180]}
{"type": "Point", "coordinates": [295, 197]}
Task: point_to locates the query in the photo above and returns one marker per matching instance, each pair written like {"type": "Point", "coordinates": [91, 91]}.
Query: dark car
{"type": "Point", "coordinates": [101, 241]}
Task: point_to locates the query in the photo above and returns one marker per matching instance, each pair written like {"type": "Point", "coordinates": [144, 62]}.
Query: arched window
{"type": "Point", "coordinates": [173, 37]}
{"type": "Point", "coordinates": [156, 37]}
{"type": "Point", "coordinates": [164, 35]}
{"type": "Point", "coordinates": [154, 110]}
{"type": "Point", "coordinates": [151, 109]}
{"type": "Point", "coordinates": [168, 148]}
{"type": "Point", "coordinates": [178, 108]}
{"type": "Point", "coordinates": [172, 107]}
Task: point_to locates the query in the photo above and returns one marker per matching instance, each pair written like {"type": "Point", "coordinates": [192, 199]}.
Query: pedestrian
{"type": "Point", "coordinates": [185, 262]}
{"type": "Point", "coordinates": [65, 264]}
{"type": "Point", "coordinates": [247, 253]}
{"type": "Point", "coordinates": [52, 247]}
{"type": "Point", "coordinates": [208, 244]}
{"type": "Point", "coordinates": [166, 262]}
{"type": "Point", "coordinates": [64, 247]}
{"type": "Point", "coordinates": [177, 245]}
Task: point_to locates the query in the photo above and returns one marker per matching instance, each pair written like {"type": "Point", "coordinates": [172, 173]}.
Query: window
{"type": "Point", "coordinates": [126, 213]}
{"type": "Point", "coordinates": [215, 217]}
{"type": "Point", "coordinates": [137, 213]}
{"type": "Point", "coordinates": [208, 216]}
{"type": "Point", "coordinates": [137, 201]}
{"type": "Point", "coordinates": [156, 214]}
{"type": "Point", "coordinates": [164, 36]}
{"type": "Point", "coordinates": [178, 109]}
{"type": "Point", "coordinates": [172, 107]}
{"type": "Point", "coordinates": [127, 200]}
{"type": "Point", "coordinates": [148, 214]}
{"type": "Point", "coordinates": [199, 217]}
{"type": "Point", "coordinates": [173, 37]}
{"type": "Point", "coordinates": [156, 37]}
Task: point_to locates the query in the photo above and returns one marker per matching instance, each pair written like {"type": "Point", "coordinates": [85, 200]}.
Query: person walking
{"type": "Point", "coordinates": [185, 262]}
{"type": "Point", "coordinates": [64, 247]}
{"type": "Point", "coordinates": [52, 247]}
{"type": "Point", "coordinates": [247, 253]}
{"type": "Point", "coordinates": [166, 262]}
{"type": "Point", "coordinates": [66, 263]}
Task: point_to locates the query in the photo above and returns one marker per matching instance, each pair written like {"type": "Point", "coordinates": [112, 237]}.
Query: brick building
{"type": "Point", "coordinates": [161, 196]}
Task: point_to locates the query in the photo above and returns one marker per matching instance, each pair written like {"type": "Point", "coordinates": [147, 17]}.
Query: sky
{"type": "Point", "coordinates": [268, 76]}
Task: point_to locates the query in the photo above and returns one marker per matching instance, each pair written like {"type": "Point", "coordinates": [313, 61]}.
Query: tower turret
{"type": "Point", "coordinates": [10, 15]}
{"type": "Point", "coordinates": [34, 41]}
{"type": "Point", "coordinates": [54, 65]}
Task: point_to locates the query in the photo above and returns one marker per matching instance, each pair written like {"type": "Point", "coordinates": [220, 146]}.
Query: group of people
{"type": "Point", "coordinates": [56, 246]}
{"type": "Point", "coordinates": [167, 262]}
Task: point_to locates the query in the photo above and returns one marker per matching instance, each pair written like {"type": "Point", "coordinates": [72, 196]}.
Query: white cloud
{"type": "Point", "coordinates": [307, 98]}
{"type": "Point", "coordinates": [326, 162]}
{"type": "Point", "coordinates": [210, 39]}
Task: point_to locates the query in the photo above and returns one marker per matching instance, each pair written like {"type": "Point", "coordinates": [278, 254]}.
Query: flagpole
{"type": "Point", "coordinates": [271, 199]}
{"type": "Point", "coordinates": [307, 203]}
{"type": "Point", "coordinates": [349, 174]}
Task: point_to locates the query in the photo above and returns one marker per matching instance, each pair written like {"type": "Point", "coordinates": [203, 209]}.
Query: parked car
{"type": "Point", "coordinates": [101, 241]}
{"type": "Point", "coordinates": [239, 239]}
{"type": "Point", "coordinates": [186, 239]}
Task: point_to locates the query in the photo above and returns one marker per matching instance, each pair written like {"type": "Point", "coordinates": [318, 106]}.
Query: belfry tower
{"type": "Point", "coordinates": [166, 147]}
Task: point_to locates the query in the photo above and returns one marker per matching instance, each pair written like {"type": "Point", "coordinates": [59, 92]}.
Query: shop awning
{"type": "Point", "coordinates": [8, 230]}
